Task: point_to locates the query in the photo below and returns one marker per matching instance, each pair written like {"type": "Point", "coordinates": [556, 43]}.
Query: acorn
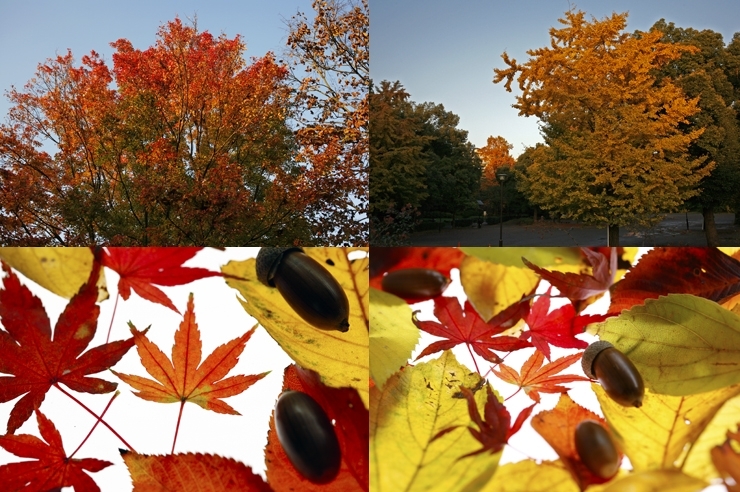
{"type": "Point", "coordinates": [617, 374]}
{"type": "Point", "coordinates": [415, 283]}
{"type": "Point", "coordinates": [596, 449]}
{"type": "Point", "coordinates": [308, 287]}
{"type": "Point", "coordinates": [307, 436]}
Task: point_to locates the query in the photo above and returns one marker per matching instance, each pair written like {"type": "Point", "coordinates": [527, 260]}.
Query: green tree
{"type": "Point", "coordinates": [614, 152]}
{"type": "Point", "coordinates": [703, 74]}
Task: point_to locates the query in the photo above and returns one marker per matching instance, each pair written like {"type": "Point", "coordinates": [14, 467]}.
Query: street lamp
{"type": "Point", "coordinates": [501, 174]}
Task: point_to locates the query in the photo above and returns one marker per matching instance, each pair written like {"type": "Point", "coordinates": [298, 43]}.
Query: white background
{"type": "Point", "coordinates": [148, 426]}
{"type": "Point", "coordinates": [526, 443]}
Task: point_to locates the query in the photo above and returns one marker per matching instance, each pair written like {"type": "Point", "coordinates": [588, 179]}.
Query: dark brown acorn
{"type": "Point", "coordinates": [596, 449]}
{"type": "Point", "coordinates": [617, 374]}
{"type": "Point", "coordinates": [312, 292]}
{"type": "Point", "coordinates": [415, 283]}
{"type": "Point", "coordinates": [307, 436]}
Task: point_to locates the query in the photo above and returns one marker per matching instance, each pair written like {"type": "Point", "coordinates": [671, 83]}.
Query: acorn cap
{"type": "Point", "coordinates": [587, 362]}
{"type": "Point", "coordinates": [267, 262]}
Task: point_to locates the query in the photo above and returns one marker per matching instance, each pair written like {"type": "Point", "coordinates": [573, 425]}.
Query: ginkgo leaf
{"type": "Point", "coordinates": [62, 271]}
{"type": "Point", "coordinates": [342, 359]}
{"type": "Point", "coordinates": [491, 288]}
{"type": "Point", "coordinates": [536, 378]}
{"type": "Point", "coordinates": [35, 361]}
{"type": "Point", "coordinates": [531, 476]}
{"type": "Point", "coordinates": [414, 406]}
{"type": "Point", "coordinates": [52, 469]}
{"type": "Point", "coordinates": [191, 472]}
{"type": "Point", "coordinates": [558, 427]}
{"type": "Point", "coordinates": [393, 335]}
{"type": "Point", "coordinates": [703, 272]}
{"type": "Point", "coordinates": [672, 422]}
{"type": "Point", "coordinates": [141, 268]}
{"type": "Point", "coordinates": [344, 407]}
{"type": "Point", "coordinates": [185, 378]}
{"type": "Point", "coordinates": [466, 326]}
{"type": "Point", "coordinates": [579, 287]}
{"type": "Point", "coordinates": [681, 344]}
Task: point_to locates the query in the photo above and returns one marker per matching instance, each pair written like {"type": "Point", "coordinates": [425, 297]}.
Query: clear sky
{"type": "Point", "coordinates": [32, 31]}
{"type": "Point", "coordinates": [445, 51]}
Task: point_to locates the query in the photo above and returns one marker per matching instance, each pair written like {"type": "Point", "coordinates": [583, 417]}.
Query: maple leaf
{"type": "Point", "coordinates": [536, 378]}
{"type": "Point", "coordinates": [183, 379]}
{"type": "Point", "coordinates": [52, 469]}
{"type": "Point", "coordinates": [467, 327]}
{"type": "Point", "coordinates": [141, 268]}
{"type": "Point", "coordinates": [578, 287]}
{"type": "Point", "coordinates": [385, 260]}
{"type": "Point", "coordinates": [557, 328]}
{"type": "Point", "coordinates": [703, 272]}
{"type": "Point", "coordinates": [36, 362]}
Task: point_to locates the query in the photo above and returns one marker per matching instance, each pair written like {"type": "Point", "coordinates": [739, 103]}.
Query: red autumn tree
{"type": "Point", "coordinates": [181, 143]}
{"type": "Point", "coordinates": [330, 65]}
{"type": "Point", "coordinates": [494, 155]}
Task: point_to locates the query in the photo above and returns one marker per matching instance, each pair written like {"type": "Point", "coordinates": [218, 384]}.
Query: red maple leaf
{"type": "Point", "coordinates": [536, 378]}
{"type": "Point", "coordinates": [141, 268]}
{"type": "Point", "coordinates": [557, 328]}
{"type": "Point", "coordinates": [703, 272]}
{"type": "Point", "coordinates": [36, 362]}
{"type": "Point", "coordinates": [495, 429]}
{"type": "Point", "coordinates": [384, 260]}
{"type": "Point", "coordinates": [458, 326]}
{"type": "Point", "coordinates": [578, 287]}
{"type": "Point", "coordinates": [53, 468]}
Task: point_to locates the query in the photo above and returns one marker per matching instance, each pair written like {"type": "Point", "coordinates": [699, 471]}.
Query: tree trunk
{"type": "Point", "coordinates": [612, 236]}
{"type": "Point", "coordinates": [710, 228]}
{"type": "Point", "coordinates": [535, 214]}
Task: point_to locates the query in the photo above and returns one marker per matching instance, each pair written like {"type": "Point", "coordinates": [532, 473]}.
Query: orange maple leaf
{"type": "Point", "coordinates": [53, 468]}
{"type": "Point", "coordinates": [182, 379]}
{"type": "Point", "coordinates": [536, 378]}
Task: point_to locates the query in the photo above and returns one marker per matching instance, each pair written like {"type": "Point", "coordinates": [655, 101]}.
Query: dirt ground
{"type": "Point", "coordinates": [670, 232]}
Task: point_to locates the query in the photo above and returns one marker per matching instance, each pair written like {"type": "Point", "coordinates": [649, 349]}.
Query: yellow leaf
{"type": "Point", "coordinates": [671, 422]}
{"type": "Point", "coordinates": [657, 481]}
{"type": "Point", "coordinates": [393, 335]}
{"type": "Point", "coordinates": [59, 270]}
{"type": "Point", "coordinates": [529, 476]}
{"type": "Point", "coordinates": [699, 462]}
{"type": "Point", "coordinates": [414, 406]}
{"type": "Point", "coordinates": [491, 288]}
{"type": "Point", "coordinates": [681, 344]}
{"type": "Point", "coordinates": [550, 258]}
{"type": "Point", "coordinates": [340, 358]}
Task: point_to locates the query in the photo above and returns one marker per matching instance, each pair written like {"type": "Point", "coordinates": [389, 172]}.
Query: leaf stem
{"type": "Point", "coordinates": [113, 316]}
{"type": "Point", "coordinates": [473, 357]}
{"type": "Point", "coordinates": [56, 385]}
{"type": "Point", "coordinates": [177, 428]}
{"type": "Point", "coordinates": [96, 424]}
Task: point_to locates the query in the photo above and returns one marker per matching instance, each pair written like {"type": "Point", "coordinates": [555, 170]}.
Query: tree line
{"type": "Point", "coordinates": [187, 143]}
{"type": "Point", "coordinates": [634, 126]}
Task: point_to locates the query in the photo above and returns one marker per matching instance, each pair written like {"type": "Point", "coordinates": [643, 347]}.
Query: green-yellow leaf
{"type": "Point", "coordinates": [340, 358]}
{"type": "Point", "coordinates": [699, 462]}
{"type": "Point", "coordinates": [414, 406]}
{"type": "Point", "coordinates": [681, 344]}
{"type": "Point", "coordinates": [657, 481]}
{"type": "Point", "coordinates": [393, 335]}
{"type": "Point", "coordinates": [59, 270]}
{"type": "Point", "coordinates": [529, 476]}
{"type": "Point", "coordinates": [544, 257]}
{"type": "Point", "coordinates": [657, 434]}
{"type": "Point", "coordinates": [491, 288]}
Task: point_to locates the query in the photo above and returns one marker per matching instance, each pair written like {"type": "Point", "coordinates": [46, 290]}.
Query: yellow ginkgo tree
{"type": "Point", "coordinates": [614, 151]}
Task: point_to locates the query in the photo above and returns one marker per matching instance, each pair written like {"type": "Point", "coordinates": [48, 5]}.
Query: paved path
{"type": "Point", "coordinates": [670, 232]}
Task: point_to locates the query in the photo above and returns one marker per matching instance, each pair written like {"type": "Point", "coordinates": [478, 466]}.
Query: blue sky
{"type": "Point", "coordinates": [445, 51]}
{"type": "Point", "coordinates": [32, 31]}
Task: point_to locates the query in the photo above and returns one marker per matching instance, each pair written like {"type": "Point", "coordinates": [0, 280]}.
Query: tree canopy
{"type": "Point", "coordinates": [188, 143]}
{"type": "Point", "coordinates": [615, 152]}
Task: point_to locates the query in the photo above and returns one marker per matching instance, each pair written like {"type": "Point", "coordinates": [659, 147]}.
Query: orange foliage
{"type": "Point", "coordinates": [494, 155]}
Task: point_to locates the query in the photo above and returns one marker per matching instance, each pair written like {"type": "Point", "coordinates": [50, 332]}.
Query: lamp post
{"type": "Point", "coordinates": [501, 174]}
